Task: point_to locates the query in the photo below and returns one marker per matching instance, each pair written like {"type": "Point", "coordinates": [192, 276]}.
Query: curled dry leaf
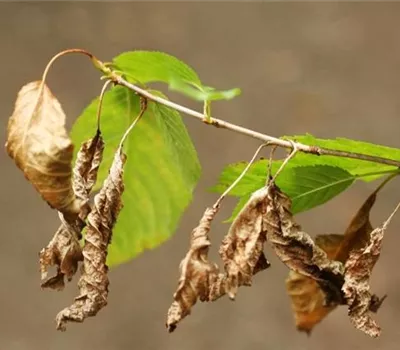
{"type": "Point", "coordinates": [38, 142]}
{"type": "Point", "coordinates": [241, 251]}
{"type": "Point", "coordinates": [242, 248]}
{"type": "Point", "coordinates": [359, 266]}
{"type": "Point", "coordinates": [308, 300]}
{"type": "Point", "coordinates": [93, 284]}
{"type": "Point", "coordinates": [297, 250]}
{"type": "Point", "coordinates": [196, 272]}
{"type": "Point", "coordinates": [358, 232]}
{"type": "Point", "coordinates": [64, 249]}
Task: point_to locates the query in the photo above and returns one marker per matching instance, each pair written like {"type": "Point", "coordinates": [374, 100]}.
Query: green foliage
{"type": "Point", "coordinates": [162, 168]}
{"type": "Point", "coordinates": [309, 180]}
{"type": "Point", "coordinates": [151, 66]}
{"type": "Point", "coordinates": [161, 171]}
{"type": "Point", "coordinates": [307, 186]}
{"type": "Point", "coordinates": [204, 93]}
{"type": "Point", "coordinates": [356, 167]}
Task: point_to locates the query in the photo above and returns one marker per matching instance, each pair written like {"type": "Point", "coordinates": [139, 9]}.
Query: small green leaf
{"type": "Point", "coordinates": [152, 66]}
{"type": "Point", "coordinates": [307, 186]}
{"type": "Point", "coordinates": [203, 93]}
{"type": "Point", "coordinates": [160, 174]}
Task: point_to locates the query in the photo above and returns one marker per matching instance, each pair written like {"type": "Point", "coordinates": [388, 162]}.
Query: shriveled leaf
{"type": "Point", "coordinates": [297, 250]}
{"type": "Point", "coordinates": [307, 298]}
{"type": "Point", "coordinates": [196, 273]}
{"type": "Point", "coordinates": [64, 249]}
{"type": "Point", "coordinates": [93, 284]}
{"type": "Point", "coordinates": [242, 248]}
{"type": "Point", "coordinates": [157, 191]}
{"type": "Point", "coordinates": [38, 142]}
{"type": "Point", "coordinates": [356, 287]}
{"type": "Point", "coordinates": [306, 295]}
{"type": "Point", "coordinates": [358, 232]}
{"type": "Point", "coordinates": [241, 251]}
{"type": "Point", "coordinates": [307, 186]}
{"type": "Point", "coordinates": [87, 165]}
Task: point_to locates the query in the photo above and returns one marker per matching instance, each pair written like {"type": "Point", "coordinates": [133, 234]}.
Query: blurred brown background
{"type": "Point", "coordinates": [331, 69]}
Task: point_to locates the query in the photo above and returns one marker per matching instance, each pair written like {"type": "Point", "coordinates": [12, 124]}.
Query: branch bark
{"type": "Point", "coordinates": [248, 132]}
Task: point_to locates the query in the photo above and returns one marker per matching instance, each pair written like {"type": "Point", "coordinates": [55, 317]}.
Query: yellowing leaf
{"type": "Point", "coordinates": [40, 146]}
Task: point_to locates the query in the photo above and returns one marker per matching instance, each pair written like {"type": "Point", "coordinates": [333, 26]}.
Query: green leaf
{"type": "Point", "coordinates": [203, 93]}
{"type": "Point", "coordinates": [363, 170]}
{"type": "Point", "coordinates": [307, 186]}
{"type": "Point", "coordinates": [356, 167]}
{"type": "Point", "coordinates": [160, 174]}
{"type": "Point", "coordinates": [311, 186]}
{"type": "Point", "coordinates": [152, 66]}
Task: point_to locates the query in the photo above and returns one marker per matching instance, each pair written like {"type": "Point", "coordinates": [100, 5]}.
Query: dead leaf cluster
{"type": "Point", "coordinates": [330, 271]}
{"type": "Point", "coordinates": [39, 144]}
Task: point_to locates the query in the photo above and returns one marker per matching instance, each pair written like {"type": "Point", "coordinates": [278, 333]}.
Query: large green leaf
{"type": "Point", "coordinates": [307, 186]}
{"type": "Point", "coordinates": [161, 172]}
{"type": "Point", "coordinates": [153, 66]}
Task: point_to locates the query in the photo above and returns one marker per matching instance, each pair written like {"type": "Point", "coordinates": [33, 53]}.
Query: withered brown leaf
{"type": "Point", "coordinates": [39, 144]}
{"type": "Point", "coordinates": [358, 231]}
{"type": "Point", "coordinates": [297, 250]}
{"type": "Point", "coordinates": [307, 298]}
{"type": "Point", "coordinates": [93, 284]}
{"type": "Point", "coordinates": [241, 251]}
{"type": "Point", "coordinates": [242, 248]}
{"type": "Point", "coordinates": [196, 273]}
{"type": "Point", "coordinates": [64, 249]}
{"type": "Point", "coordinates": [356, 287]}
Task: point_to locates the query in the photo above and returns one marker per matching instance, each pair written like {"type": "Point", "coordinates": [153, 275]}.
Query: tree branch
{"type": "Point", "coordinates": [254, 134]}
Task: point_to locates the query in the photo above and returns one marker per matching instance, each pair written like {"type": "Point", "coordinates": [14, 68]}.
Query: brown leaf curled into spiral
{"type": "Point", "coordinates": [243, 257]}
{"type": "Point", "coordinates": [64, 249]}
{"type": "Point", "coordinates": [297, 250]}
{"type": "Point", "coordinates": [93, 284]}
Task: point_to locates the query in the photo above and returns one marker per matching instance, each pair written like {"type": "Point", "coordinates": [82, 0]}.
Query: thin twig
{"type": "Point", "coordinates": [254, 134]}
{"type": "Point", "coordinates": [143, 107]}
{"type": "Point", "coordinates": [249, 164]}
{"type": "Point", "coordinates": [285, 162]}
{"type": "Point", "coordinates": [103, 91]}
